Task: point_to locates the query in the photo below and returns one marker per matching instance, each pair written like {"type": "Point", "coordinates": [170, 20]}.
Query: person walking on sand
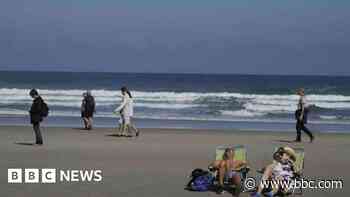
{"type": "Point", "coordinates": [37, 112]}
{"type": "Point", "coordinates": [82, 109]}
{"type": "Point", "coordinates": [126, 111]}
{"type": "Point", "coordinates": [301, 116]}
{"type": "Point", "coordinates": [88, 109]}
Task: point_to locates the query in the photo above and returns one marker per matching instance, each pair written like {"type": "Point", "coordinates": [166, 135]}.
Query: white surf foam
{"type": "Point", "coordinates": [241, 113]}
{"type": "Point", "coordinates": [253, 105]}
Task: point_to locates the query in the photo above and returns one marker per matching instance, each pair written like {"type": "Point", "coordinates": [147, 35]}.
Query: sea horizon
{"type": "Point", "coordinates": [179, 73]}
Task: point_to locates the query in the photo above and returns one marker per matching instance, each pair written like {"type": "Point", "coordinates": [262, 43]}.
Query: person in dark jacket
{"type": "Point", "coordinates": [88, 109]}
{"type": "Point", "coordinates": [83, 115]}
{"type": "Point", "coordinates": [36, 115]}
{"type": "Point", "coordinates": [301, 117]}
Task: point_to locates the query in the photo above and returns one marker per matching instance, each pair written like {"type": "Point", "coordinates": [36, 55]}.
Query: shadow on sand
{"type": "Point", "coordinates": [25, 143]}
{"type": "Point", "coordinates": [80, 129]}
{"type": "Point", "coordinates": [285, 141]}
{"type": "Point", "coordinates": [116, 135]}
{"type": "Point", "coordinates": [213, 189]}
{"type": "Point", "coordinates": [112, 135]}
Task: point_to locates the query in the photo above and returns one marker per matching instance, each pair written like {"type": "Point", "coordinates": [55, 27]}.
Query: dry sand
{"type": "Point", "coordinates": [157, 163]}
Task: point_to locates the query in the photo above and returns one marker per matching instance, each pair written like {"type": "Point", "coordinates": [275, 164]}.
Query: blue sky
{"type": "Point", "coordinates": [192, 36]}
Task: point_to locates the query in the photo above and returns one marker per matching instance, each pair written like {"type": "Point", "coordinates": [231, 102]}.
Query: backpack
{"type": "Point", "coordinates": [90, 103]}
{"type": "Point", "coordinates": [44, 109]}
{"type": "Point", "coordinates": [201, 180]}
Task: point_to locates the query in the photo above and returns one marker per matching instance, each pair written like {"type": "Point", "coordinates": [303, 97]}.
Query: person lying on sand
{"type": "Point", "coordinates": [282, 169]}
{"type": "Point", "coordinates": [227, 168]}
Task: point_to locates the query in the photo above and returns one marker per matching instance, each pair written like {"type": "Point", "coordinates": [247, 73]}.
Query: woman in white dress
{"type": "Point", "coordinates": [126, 110]}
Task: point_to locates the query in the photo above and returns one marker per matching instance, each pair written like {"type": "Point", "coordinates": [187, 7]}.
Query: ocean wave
{"type": "Point", "coordinates": [324, 117]}
{"type": "Point", "coordinates": [290, 108]}
{"type": "Point", "coordinates": [332, 105]}
{"type": "Point", "coordinates": [166, 95]}
{"type": "Point", "coordinates": [113, 105]}
{"type": "Point", "coordinates": [182, 96]}
{"type": "Point", "coordinates": [8, 111]}
{"type": "Point", "coordinates": [242, 113]}
{"type": "Point", "coordinates": [165, 105]}
{"type": "Point", "coordinates": [227, 103]}
{"type": "Point", "coordinates": [59, 113]}
{"type": "Point", "coordinates": [334, 117]}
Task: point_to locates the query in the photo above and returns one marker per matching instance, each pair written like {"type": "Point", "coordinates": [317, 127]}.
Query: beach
{"type": "Point", "coordinates": [201, 80]}
{"type": "Point", "coordinates": [158, 162]}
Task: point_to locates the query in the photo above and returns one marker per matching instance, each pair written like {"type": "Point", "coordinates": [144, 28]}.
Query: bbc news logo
{"type": "Point", "coordinates": [34, 175]}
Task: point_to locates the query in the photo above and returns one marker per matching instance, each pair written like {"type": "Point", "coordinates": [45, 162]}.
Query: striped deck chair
{"type": "Point", "coordinates": [299, 167]}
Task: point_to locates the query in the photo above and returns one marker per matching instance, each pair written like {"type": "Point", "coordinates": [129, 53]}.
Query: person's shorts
{"type": "Point", "coordinates": [231, 174]}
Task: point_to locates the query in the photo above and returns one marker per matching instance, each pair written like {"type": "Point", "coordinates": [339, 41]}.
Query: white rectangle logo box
{"type": "Point", "coordinates": [14, 175]}
{"type": "Point", "coordinates": [48, 175]}
{"type": "Point", "coordinates": [31, 175]}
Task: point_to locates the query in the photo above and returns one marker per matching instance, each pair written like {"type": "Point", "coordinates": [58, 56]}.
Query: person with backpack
{"type": "Point", "coordinates": [88, 109]}
{"type": "Point", "coordinates": [38, 111]}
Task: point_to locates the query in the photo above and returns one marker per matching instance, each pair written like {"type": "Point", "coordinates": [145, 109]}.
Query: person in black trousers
{"type": "Point", "coordinates": [301, 117]}
{"type": "Point", "coordinates": [88, 108]}
{"type": "Point", "coordinates": [36, 115]}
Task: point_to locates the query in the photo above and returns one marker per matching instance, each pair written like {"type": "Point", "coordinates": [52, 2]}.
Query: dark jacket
{"type": "Point", "coordinates": [89, 104]}
{"type": "Point", "coordinates": [305, 115]}
{"type": "Point", "coordinates": [88, 107]}
{"type": "Point", "coordinates": [35, 110]}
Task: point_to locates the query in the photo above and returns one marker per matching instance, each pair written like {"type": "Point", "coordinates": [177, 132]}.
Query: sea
{"type": "Point", "coordinates": [196, 101]}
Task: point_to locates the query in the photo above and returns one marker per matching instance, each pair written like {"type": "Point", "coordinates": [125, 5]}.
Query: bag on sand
{"type": "Point", "coordinates": [201, 180]}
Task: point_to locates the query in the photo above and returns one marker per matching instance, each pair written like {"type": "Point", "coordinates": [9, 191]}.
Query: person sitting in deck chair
{"type": "Point", "coordinates": [227, 170]}
{"type": "Point", "coordinates": [282, 169]}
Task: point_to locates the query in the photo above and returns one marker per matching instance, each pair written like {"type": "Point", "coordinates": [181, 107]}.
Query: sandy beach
{"type": "Point", "coordinates": [158, 162]}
